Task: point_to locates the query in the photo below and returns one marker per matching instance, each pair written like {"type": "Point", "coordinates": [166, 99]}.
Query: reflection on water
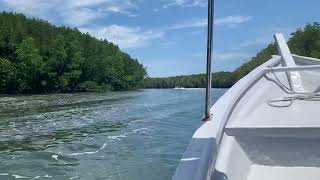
{"type": "Point", "coordinates": [117, 135]}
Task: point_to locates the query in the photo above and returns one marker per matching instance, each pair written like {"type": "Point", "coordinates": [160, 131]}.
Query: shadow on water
{"type": "Point", "coordinates": [11, 107]}
{"type": "Point", "coordinates": [40, 141]}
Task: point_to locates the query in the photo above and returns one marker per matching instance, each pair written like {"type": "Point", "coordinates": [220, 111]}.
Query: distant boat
{"type": "Point", "coordinates": [179, 88]}
{"type": "Point", "coordinates": [265, 127]}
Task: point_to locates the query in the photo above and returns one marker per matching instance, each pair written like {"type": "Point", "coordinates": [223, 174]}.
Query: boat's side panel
{"type": "Point", "coordinates": [199, 157]}
{"type": "Point", "coordinates": [303, 61]}
{"type": "Point", "coordinates": [310, 78]}
{"type": "Point", "coordinates": [193, 163]}
{"type": "Point", "coordinates": [230, 158]}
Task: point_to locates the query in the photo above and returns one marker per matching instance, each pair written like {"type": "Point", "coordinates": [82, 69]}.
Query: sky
{"type": "Point", "coordinates": [169, 36]}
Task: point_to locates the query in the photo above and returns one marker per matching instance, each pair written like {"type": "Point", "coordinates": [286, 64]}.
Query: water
{"type": "Point", "coordinates": [138, 135]}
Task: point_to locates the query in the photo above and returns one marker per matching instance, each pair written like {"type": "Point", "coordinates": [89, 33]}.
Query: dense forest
{"type": "Point", "coordinates": [37, 57]}
{"type": "Point", "coordinates": [305, 42]}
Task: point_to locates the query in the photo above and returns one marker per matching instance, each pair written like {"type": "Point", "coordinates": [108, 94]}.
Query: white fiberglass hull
{"type": "Point", "coordinates": [260, 130]}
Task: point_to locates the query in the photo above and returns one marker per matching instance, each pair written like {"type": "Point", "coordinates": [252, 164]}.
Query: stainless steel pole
{"type": "Point", "coordinates": [209, 57]}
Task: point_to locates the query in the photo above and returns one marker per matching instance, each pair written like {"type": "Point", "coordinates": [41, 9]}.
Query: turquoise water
{"type": "Point", "coordinates": [137, 135]}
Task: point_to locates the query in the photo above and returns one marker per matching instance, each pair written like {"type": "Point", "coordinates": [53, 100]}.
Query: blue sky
{"type": "Point", "coordinates": [169, 36]}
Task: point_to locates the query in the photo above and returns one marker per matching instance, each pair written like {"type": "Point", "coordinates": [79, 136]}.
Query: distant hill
{"type": "Point", "coordinates": [305, 42]}
{"type": "Point", "coordinates": [37, 57]}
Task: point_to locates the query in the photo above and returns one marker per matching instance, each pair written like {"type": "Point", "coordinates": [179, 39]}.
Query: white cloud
{"type": "Point", "coordinates": [185, 3]}
{"type": "Point", "coordinates": [32, 7]}
{"type": "Point", "coordinates": [81, 16]}
{"type": "Point", "coordinates": [228, 21]}
{"type": "Point", "coordinates": [83, 13]}
{"type": "Point", "coordinates": [233, 55]}
{"type": "Point", "coordinates": [71, 12]}
{"type": "Point", "coordinates": [257, 41]}
{"type": "Point", "coordinates": [122, 7]}
{"type": "Point", "coordinates": [232, 21]}
{"type": "Point", "coordinates": [193, 23]}
{"type": "Point", "coordinates": [222, 56]}
{"type": "Point", "coordinates": [265, 37]}
{"type": "Point", "coordinates": [85, 3]}
{"type": "Point", "coordinates": [125, 37]}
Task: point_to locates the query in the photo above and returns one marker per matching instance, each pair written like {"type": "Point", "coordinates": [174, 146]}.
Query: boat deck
{"type": "Point", "coordinates": [282, 173]}
{"type": "Point", "coordinates": [255, 116]}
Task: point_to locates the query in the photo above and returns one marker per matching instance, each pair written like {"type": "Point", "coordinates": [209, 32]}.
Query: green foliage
{"type": "Point", "coordinates": [91, 86]}
{"type": "Point", "coordinates": [8, 75]}
{"type": "Point", "coordinates": [220, 80]}
{"type": "Point", "coordinates": [305, 42]}
{"type": "Point", "coordinates": [30, 65]}
{"type": "Point", "coordinates": [256, 61]}
{"type": "Point", "coordinates": [37, 57]}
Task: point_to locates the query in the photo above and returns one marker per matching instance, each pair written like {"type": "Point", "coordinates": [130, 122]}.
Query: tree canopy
{"type": "Point", "coordinates": [304, 42]}
{"type": "Point", "coordinates": [38, 57]}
